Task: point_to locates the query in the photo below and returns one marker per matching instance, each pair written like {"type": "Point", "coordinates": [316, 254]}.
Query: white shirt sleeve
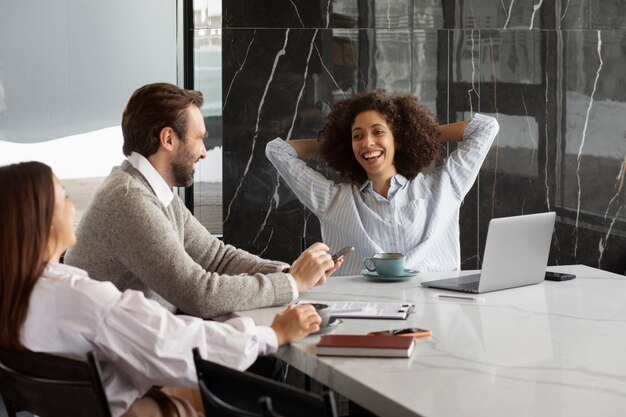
{"type": "Point", "coordinates": [464, 163]}
{"type": "Point", "coordinates": [291, 280]}
{"type": "Point", "coordinates": [150, 343]}
{"type": "Point", "coordinates": [312, 188]}
{"type": "Point", "coordinates": [294, 288]}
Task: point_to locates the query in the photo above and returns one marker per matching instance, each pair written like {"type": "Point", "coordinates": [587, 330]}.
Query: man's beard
{"type": "Point", "coordinates": [182, 170]}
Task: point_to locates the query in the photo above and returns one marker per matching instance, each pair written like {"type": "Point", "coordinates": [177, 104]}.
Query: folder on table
{"type": "Point", "coordinates": [367, 309]}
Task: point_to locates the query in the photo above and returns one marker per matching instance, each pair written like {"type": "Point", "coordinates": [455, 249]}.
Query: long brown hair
{"type": "Point", "coordinates": [26, 210]}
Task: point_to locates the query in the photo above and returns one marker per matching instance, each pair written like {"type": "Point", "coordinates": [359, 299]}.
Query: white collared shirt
{"type": "Point", "coordinates": [137, 342]}
{"type": "Point", "coordinates": [420, 217]}
{"type": "Point", "coordinates": [161, 189]}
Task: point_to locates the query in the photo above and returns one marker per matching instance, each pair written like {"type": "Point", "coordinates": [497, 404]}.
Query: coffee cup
{"type": "Point", "coordinates": [324, 312]}
{"type": "Point", "coordinates": [391, 264]}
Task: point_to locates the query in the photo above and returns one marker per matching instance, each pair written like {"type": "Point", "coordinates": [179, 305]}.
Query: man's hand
{"type": "Point", "coordinates": [313, 266]}
{"type": "Point", "coordinates": [295, 323]}
{"type": "Point", "coordinates": [331, 271]}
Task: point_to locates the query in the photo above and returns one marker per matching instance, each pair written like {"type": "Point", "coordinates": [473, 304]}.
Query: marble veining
{"type": "Point", "coordinates": [269, 240]}
{"type": "Point", "coordinates": [564, 10]}
{"type": "Point", "coordinates": [584, 134]}
{"type": "Point", "coordinates": [297, 12]}
{"type": "Point", "coordinates": [243, 62]}
{"type": "Point", "coordinates": [330, 74]}
{"type": "Point", "coordinates": [473, 89]}
{"type": "Point", "coordinates": [535, 8]}
{"type": "Point", "coordinates": [605, 238]}
{"type": "Point", "coordinates": [280, 54]}
{"type": "Point", "coordinates": [546, 147]}
{"type": "Point", "coordinates": [508, 16]}
{"type": "Point", "coordinates": [304, 78]}
{"type": "Point", "coordinates": [274, 202]}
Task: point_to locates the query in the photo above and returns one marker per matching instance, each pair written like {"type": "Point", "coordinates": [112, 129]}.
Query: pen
{"type": "Point", "coordinates": [459, 297]}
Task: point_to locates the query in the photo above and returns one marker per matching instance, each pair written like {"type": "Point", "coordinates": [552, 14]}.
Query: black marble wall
{"type": "Point", "coordinates": [551, 71]}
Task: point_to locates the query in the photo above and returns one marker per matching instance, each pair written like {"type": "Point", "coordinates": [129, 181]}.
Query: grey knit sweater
{"type": "Point", "coordinates": [127, 236]}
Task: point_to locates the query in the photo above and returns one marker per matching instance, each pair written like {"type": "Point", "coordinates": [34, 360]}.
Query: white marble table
{"type": "Point", "coordinates": [552, 349]}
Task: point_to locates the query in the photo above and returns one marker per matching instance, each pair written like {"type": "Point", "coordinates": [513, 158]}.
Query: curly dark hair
{"type": "Point", "coordinates": [413, 126]}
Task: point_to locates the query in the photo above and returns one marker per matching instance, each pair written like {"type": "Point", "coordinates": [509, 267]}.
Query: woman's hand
{"type": "Point", "coordinates": [295, 323]}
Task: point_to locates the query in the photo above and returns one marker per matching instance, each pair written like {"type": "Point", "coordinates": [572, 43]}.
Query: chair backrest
{"type": "Point", "coordinates": [49, 385]}
{"type": "Point", "coordinates": [232, 393]}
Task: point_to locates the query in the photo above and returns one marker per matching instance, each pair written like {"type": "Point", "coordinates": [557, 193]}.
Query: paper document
{"type": "Point", "coordinates": [366, 309]}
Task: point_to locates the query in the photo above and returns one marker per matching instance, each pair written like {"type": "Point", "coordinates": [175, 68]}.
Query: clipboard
{"type": "Point", "coordinates": [367, 309]}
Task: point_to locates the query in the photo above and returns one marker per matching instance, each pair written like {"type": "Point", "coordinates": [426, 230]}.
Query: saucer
{"type": "Point", "coordinates": [332, 325]}
{"type": "Point", "coordinates": [376, 277]}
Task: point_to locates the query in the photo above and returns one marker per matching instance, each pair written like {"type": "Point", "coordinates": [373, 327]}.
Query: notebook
{"type": "Point", "coordinates": [516, 254]}
{"type": "Point", "coordinates": [361, 345]}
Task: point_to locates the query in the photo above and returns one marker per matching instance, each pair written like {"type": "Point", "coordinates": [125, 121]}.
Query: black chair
{"type": "Point", "coordinates": [51, 386]}
{"type": "Point", "coordinates": [227, 392]}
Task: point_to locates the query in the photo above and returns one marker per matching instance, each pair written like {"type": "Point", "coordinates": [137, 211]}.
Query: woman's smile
{"type": "Point", "coordinates": [373, 144]}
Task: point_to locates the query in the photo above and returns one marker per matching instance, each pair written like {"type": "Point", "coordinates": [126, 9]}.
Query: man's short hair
{"type": "Point", "coordinates": [152, 108]}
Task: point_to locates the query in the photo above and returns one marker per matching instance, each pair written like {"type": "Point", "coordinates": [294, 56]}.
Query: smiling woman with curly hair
{"type": "Point", "coordinates": [380, 145]}
{"type": "Point", "coordinates": [414, 129]}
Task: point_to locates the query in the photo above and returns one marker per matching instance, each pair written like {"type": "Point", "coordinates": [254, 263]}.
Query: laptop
{"type": "Point", "coordinates": [516, 254]}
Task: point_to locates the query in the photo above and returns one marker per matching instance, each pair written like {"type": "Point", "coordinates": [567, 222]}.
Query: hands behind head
{"type": "Point", "coordinates": [313, 266]}
{"type": "Point", "coordinates": [295, 323]}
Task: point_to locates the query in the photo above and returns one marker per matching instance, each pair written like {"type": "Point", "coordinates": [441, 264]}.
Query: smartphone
{"type": "Point", "coordinates": [409, 331]}
{"type": "Point", "coordinates": [558, 276]}
{"type": "Point", "coordinates": [343, 252]}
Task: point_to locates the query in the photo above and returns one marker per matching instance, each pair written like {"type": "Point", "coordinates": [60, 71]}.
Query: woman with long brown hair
{"type": "Point", "coordinates": [46, 306]}
{"type": "Point", "coordinates": [25, 219]}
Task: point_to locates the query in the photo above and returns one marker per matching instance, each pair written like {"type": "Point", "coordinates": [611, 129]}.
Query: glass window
{"type": "Point", "coordinates": [66, 74]}
{"type": "Point", "coordinates": [208, 80]}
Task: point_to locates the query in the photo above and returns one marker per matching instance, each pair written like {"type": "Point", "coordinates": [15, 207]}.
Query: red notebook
{"type": "Point", "coordinates": [365, 345]}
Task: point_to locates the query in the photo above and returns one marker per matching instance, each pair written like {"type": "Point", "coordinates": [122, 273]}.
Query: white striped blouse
{"type": "Point", "coordinates": [420, 217]}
